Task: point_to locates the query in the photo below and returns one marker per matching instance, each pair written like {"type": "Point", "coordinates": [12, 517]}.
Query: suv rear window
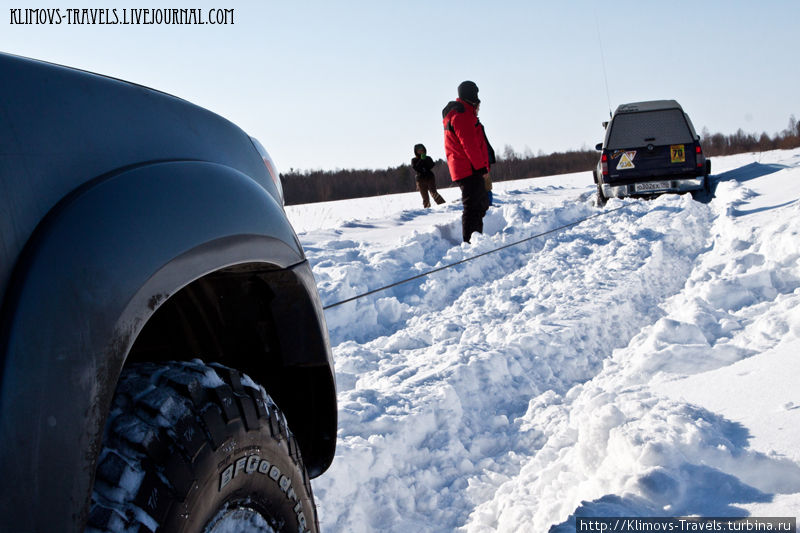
{"type": "Point", "coordinates": [665, 126]}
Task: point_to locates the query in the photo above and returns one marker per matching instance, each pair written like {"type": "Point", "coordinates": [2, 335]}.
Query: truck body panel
{"type": "Point", "coordinates": [113, 199]}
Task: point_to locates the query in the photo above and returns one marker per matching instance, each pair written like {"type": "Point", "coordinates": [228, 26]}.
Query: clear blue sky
{"type": "Point", "coordinates": [355, 84]}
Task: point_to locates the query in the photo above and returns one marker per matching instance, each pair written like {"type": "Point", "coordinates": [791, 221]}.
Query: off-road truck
{"type": "Point", "coordinates": [164, 360]}
{"type": "Point", "coordinates": [650, 148]}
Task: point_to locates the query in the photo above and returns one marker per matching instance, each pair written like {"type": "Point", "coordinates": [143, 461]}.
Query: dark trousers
{"type": "Point", "coordinates": [476, 203]}
{"type": "Point", "coordinates": [428, 185]}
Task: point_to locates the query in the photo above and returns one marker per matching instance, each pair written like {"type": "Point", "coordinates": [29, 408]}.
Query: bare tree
{"type": "Point", "coordinates": [508, 153]}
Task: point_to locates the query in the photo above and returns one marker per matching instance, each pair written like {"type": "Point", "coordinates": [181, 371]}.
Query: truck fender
{"type": "Point", "coordinates": [95, 270]}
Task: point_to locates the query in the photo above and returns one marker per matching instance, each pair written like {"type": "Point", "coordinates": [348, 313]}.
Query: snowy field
{"type": "Point", "coordinates": [642, 363]}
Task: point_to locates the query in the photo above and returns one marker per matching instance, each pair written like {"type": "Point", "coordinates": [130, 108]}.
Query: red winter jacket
{"type": "Point", "coordinates": [464, 140]}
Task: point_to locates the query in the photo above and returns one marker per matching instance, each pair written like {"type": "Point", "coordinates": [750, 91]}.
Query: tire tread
{"type": "Point", "coordinates": [171, 408]}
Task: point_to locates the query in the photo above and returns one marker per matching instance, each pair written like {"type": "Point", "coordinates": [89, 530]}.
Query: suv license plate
{"type": "Point", "coordinates": [651, 186]}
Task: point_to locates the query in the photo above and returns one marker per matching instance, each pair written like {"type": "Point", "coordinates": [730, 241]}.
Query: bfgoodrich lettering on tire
{"type": "Point", "coordinates": [189, 446]}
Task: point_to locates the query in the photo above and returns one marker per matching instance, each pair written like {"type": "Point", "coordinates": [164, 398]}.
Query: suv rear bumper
{"type": "Point", "coordinates": [673, 185]}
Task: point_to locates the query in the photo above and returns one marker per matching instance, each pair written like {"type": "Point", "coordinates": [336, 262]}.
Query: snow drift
{"type": "Point", "coordinates": [642, 362]}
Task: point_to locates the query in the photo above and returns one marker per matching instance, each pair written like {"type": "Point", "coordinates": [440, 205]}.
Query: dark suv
{"type": "Point", "coordinates": [164, 359]}
{"type": "Point", "coordinates": [650, 148]}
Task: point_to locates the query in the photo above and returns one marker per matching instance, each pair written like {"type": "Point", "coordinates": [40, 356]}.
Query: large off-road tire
{"type": "Point", "coordinates": [190, 446]}
{"type": "Point", "coordinates": [601, 198]}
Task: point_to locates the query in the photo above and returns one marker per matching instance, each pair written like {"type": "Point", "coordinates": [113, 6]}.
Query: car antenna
{"type": "Point", "coordinates": [603, 61]}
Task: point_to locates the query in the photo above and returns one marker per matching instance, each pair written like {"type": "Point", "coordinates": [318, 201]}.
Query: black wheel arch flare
{"type": "Point", "coordinates": [96, 271]}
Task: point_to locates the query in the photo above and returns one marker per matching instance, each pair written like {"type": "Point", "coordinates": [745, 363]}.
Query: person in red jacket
{"type": "Point", "coordinates": [468, 156]}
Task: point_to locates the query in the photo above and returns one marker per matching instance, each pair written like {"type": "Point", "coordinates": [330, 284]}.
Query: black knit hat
{"type": "Point", "coordinates": [468, 92]}
{"type": "Point", "coordinates": [418, 147]}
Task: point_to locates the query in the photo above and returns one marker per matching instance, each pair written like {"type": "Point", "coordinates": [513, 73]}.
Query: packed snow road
{"type": "Point", "coordinates": [593, 370]}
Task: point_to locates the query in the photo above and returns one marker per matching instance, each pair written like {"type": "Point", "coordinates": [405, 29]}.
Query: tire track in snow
{"type": "Point", "coordinates": [617, 446]}
{"type": "Point", "coordinates": [350, 267]}
{"type": "Point", "coordinates": [436, 375]}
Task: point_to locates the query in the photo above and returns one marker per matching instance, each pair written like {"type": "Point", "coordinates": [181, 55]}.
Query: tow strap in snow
{"type": "Point", "coordinates": [439, 269]}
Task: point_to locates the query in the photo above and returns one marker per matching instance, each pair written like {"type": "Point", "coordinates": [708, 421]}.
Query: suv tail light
{"type": "Point", "coordinates": [698, 155]}
{"type": "Point", "coordinates": [273, 172]}
{"type": "Point", "coordinates": [604, 164]}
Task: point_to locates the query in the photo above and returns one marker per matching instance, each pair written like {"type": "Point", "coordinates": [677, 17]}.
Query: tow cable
{"type": "Point", "coordinates": [439, 269]}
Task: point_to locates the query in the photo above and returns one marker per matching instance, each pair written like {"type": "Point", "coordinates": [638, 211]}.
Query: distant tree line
{"type": "Point", "coordinates": [302, 187]}
{"type": "Point", "coordinates": [740, 142]}
{"type": "Point", "coordinates": [308, 186]}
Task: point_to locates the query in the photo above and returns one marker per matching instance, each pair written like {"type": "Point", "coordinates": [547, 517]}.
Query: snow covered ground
{"type": "Point", "coordinates": [642, 363]}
